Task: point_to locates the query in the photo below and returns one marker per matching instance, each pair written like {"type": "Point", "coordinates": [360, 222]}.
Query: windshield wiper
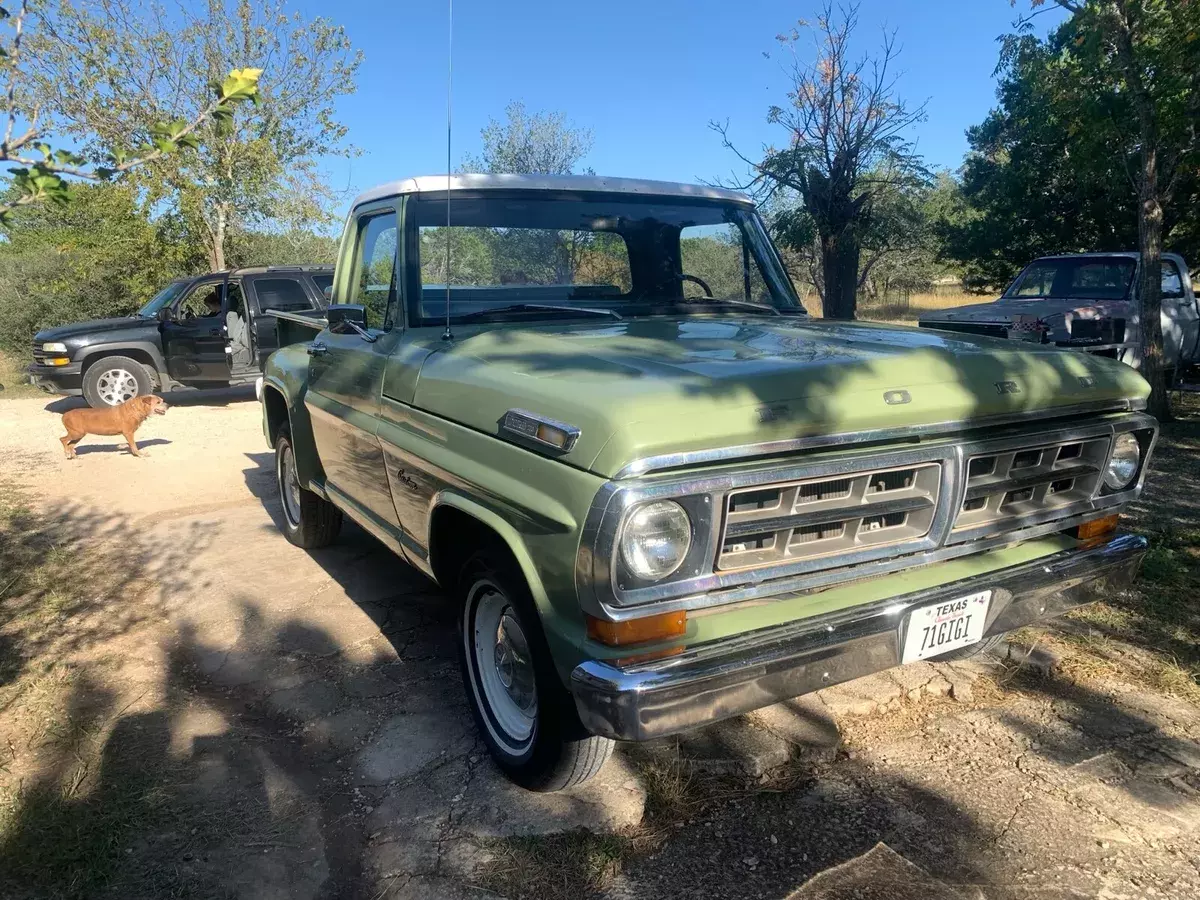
{"type": "Point", "coordinates": [537, 307]}
{"type": "Point", "coordinates": [744, 304]}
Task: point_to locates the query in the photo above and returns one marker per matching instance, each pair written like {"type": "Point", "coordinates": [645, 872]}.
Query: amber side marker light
{"type": "Point", "coordinates": [644, 630]}
{"type": "Point", "coordinates": [1097, 530]}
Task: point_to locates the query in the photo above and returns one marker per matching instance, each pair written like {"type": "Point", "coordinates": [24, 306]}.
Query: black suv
{"type": "Point", "coordinates": [203, 332]}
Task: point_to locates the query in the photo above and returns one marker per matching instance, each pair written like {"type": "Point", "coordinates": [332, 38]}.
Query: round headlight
{"type": "Point", "coordinates": [655, 539]}
{"type": "Point", "coordinates": [1123, 464]}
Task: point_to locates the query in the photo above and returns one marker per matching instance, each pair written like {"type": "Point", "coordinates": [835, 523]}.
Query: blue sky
{"type": "Point", "coordinates": [646, 76]}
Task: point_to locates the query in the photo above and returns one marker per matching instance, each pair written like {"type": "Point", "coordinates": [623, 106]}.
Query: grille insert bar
{"type": "Point", "coordinates": [826, 516]}
{"type": "Point", "coordinates": [1029, 481]}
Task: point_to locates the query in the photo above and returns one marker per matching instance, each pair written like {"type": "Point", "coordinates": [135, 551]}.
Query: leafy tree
{"type": "Point", "coordinates": [541, 144]}
{"type": "Point", "coordinates": [899, 243]}
{"type": "Point", "coordinates": [106, 67]}
{"type": "Point", "coordinates": [40, 170]}
{"type": "Point", "coordinates": [100, 255]}
{"type": "Point", "coordinates": [846, 148]}
{"type": "Point", "coordinates": [1121, 79]}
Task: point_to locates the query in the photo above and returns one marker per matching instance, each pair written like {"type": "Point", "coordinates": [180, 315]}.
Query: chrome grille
{"type": "Point", "coordinates": [1029, 481]}
{"type": "Point", "coordinates": [817, 517]}
{"type": "Point", "coordinates": [39, 356]}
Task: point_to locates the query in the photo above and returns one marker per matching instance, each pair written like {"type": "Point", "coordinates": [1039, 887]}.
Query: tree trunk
{"type": "Point", "coordinates": [216, 252]}
{"type": "Point", "coordinates": [839, 265]}
{"type": "Point", "coordinates": [1150, 229]}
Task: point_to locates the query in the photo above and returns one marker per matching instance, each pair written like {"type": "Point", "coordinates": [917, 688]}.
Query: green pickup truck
{"type": "Point", "coordinates": [658, 493]}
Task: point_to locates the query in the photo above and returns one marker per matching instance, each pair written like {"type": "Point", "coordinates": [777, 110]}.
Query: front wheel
{"type": "Point", "coordinates": [309, 521]}
{"type": "Point", "coordinates": [113, 380]}
{"type": "Point", "coordinates": [525, 715]}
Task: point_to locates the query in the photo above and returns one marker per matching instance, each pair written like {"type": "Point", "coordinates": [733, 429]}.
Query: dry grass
{"type": "Point", "coordinates": [13, 380]}
{"type": "Point", "coordinates": [66, 812]}
{"type": "Point", "coordinates": [904, 310]}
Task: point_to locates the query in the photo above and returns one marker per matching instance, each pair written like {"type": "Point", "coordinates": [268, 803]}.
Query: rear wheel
{"type": "Point", "coordinates": [525, 715]}
{"type": "Point", "coordinates": [113, 380]}
{"type": "Point", "coordinates": [309, 521]}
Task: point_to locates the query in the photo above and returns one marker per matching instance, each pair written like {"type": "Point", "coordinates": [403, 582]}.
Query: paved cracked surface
{"type": "Point", "coordinates": [313, 703]}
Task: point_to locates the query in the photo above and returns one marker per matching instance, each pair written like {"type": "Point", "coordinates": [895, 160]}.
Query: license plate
{"type": "Point", "coordinates": [945, 626]}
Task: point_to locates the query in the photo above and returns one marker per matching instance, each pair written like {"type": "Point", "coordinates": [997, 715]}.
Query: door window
{"type": "Point", "coordinates": [203, 301]}
{"type": "Point", "coordinates": [284, 294]}
{"type": "Point", "coordinates": [1172, 283]}
{"type": "Point", "coordinates": [375, 268]}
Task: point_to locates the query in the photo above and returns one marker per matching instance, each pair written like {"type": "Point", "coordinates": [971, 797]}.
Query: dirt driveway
{"type": "Point", "coordinates": [216, 713]}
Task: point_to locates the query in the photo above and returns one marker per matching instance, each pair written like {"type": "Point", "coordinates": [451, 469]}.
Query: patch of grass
{"type": "Point", "coordinates": [14, 379]}
{"type": "Point", "coordinates": [903, 310]}
{"type": "Point", "coordinates": [54, 842]}
{"type": "Point", "coordinates": [574, 864]}
{"type": "Point", "coordinates": [79, 780]}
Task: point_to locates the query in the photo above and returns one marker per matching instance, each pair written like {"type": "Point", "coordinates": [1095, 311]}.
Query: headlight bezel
{"type": "Point", "coordinates": [663, 508]}
{"type": "Point", "coordinates": [1120, 485]}
{"type": "Point", "coordinates": [57, 347]}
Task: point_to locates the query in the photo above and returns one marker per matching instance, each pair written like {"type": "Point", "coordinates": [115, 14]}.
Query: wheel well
{"type": "Point", "coordinates": [454, 536]}
{"type": "Point", "coordinates": [277, 411]}
{"type": "Point", "coordinates": [131, 352]}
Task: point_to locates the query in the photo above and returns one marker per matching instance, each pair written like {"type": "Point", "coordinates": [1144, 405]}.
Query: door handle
{"type": "Point", "coordinates": [316, 348]}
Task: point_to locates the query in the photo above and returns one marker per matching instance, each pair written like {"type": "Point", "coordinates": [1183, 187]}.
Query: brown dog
{"type": "Point", "coordinates": [123, 419]}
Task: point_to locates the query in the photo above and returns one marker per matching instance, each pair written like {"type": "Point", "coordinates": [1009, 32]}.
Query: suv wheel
{"type": "Point", "coordinates": [525, 715]}
{"type": "Point", "coordinates": [308, 520]}
{"type": "Point", "coordinates": [113, 380]}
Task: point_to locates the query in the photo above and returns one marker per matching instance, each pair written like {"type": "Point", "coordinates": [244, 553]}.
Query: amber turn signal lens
{"type": "Point", "coordinates": [58, 361]}
{"type": "Point", "coordinates": [1097, 528]}
{"type": "Point", "coordinates": [645, 630]}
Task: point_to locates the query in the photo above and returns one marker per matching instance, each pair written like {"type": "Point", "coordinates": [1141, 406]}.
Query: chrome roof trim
{"type": "Point", "coordinates": [645, 466]}
{"type": "Point", "coordinates": [579, 183]}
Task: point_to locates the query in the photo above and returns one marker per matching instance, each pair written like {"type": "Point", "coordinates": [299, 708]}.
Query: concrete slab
{"type": "Point", "coordinates": [410, 743]}
{"type": "Point", "coordinates": [805, 723]}
{"type": "Point", "coordinates": [879, 874]}
{"type": "Point", "coordinates": [732, 747]}
{"type": "Point", "coordinates": [491, 806]}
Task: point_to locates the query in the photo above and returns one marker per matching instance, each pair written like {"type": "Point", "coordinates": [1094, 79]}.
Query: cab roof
{"type": "Point", "coordinates": [575, 183]}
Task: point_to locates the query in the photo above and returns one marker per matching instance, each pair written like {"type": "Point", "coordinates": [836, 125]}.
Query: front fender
{"type": "Point", "coordinates": [149, 349]}
{"type": "Point", "coordinates": [285, 382]}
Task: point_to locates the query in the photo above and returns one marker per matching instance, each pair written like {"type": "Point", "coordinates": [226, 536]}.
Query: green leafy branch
{"type": "Point", "coordinates": [41, 173]}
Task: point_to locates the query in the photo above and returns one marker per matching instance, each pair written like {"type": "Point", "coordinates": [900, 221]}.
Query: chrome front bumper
{"type": "Point", "coordinates": [725, 678]}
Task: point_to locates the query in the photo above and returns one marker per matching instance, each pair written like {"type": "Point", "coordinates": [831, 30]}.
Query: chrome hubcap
{"type": "Point", "coordinates": [505, 666]}
{"type": "Point", "coordinates": [115, 386]}
{"type": "Point", "coordinates": [289, 486]}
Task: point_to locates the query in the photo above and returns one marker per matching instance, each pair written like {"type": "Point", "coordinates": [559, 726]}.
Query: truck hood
{"type": "Point", "coordinates": [1003, 310]}
{"type": "Point", "coordinates": [646, 387]}
{"type": "Point", "coordinates": [94, 326]}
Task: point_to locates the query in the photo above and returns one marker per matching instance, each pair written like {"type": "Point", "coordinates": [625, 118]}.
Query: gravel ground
{"type": "Point", "coordinates": [308, 710]}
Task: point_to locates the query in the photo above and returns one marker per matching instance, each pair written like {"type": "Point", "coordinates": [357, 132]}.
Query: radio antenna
{"type": "Point", "coordinates": [448, 335]}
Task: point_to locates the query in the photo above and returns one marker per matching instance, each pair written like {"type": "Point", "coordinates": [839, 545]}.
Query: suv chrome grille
{"type": "Point", "coordinates": [802, 520]}
{"type": "Point", "coordinates": [39, 355]}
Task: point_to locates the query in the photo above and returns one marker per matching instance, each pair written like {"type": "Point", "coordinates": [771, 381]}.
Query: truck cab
{"type": "Point", "coordinates": [208, 331]}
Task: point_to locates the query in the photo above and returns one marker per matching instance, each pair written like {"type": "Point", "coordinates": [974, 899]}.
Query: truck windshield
{"type": "Point", "coordinates": [537, 255]}
{"type": "Point", "coordinates": [1075, 277]}
{"type": "Point", "coordinates": [162, 299]}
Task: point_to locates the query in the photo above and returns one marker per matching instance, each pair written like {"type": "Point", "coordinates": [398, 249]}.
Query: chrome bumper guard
{"type": "Point", "coordinates": [725, 678]}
